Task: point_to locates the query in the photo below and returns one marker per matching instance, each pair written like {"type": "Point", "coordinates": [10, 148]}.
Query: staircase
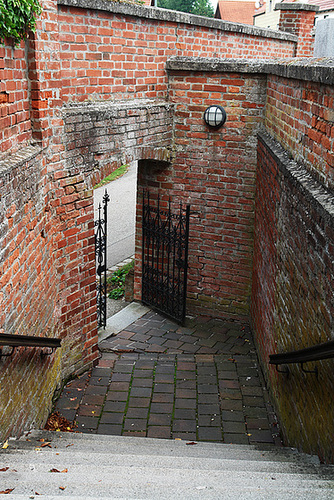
{"type": "Point", "coordinates": [84, 466]}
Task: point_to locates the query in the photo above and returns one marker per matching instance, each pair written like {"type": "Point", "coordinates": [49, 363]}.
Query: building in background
{"type": "Point", "coordinates": [267, 17]}
{"type": "Point", "coordinates": [236, 11]}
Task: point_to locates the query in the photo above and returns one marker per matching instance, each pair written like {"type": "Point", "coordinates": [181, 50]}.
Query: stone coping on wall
{"type": "Point", "coordinates": [307, 68]}
{"type": "Point", "coordinates": [313, 191]}
{"type": "Point", "coordinates": [296, 6]}
{"type": "Point", "coordinates": [113, 107]}
{"type": "Point", "coordinates": [19, 158]}
{"type": "Point", "coordinates": [155, 13]}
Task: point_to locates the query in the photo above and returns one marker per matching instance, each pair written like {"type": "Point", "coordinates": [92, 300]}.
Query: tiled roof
{"type": "Point", "coordinates": [237, 11]}
{"type": "Point", "coordinates": [323, 4]}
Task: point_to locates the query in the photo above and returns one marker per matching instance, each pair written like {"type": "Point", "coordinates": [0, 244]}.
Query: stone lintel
{"type": "Point", "coordinates": [305, 68]}
{"type": "Point", "coordinates": [131, 9]}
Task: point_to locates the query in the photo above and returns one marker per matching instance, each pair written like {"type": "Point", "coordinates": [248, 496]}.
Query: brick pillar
{"type": "Point", "coordinates": [298, 19]}
{"type": "Point", "coordinates": [44, 77]}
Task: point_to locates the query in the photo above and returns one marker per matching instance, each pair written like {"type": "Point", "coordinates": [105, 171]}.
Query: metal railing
{"type": "Point", "coordinates": [315, 353]}
{"type": "Point", "coordinates": [13, 341]}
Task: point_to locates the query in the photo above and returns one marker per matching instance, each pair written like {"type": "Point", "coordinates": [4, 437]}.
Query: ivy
{"type": "Point", "coordinates": [17, 18]}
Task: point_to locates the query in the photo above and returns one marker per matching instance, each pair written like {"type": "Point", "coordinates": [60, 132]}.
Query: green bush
{"type": "Point", "coordinates": [17, 18]}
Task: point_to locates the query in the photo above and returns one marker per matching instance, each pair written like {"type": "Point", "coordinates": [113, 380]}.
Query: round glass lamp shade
{"type": "Point", "coordinates": [215, 116]}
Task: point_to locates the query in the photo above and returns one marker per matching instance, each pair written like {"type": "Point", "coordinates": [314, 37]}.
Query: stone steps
{"type": "Point", "coordinates": [98, 466]}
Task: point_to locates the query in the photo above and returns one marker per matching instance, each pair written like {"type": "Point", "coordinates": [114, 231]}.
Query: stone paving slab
{"type": "Point", "coordinates": [156, 379]}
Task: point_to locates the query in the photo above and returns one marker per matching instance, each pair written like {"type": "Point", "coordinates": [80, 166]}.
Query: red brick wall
{"type": "Point", "coordinates": [299, 114]}
{"type": "Point", "coordinates": [47, 283]}
{"type": "Point", "coordinates": [214, 171]}
{"type": "Point", "coordinates": [298, 20]}
{"type": "Point", "coordinates": [28, 299]}
{"type": "Point", "coordinates": [116, 54]}
{"type": "Point", "coordinates": [292, 296]}
{"type": "Point", "coordinates": [15, 127]}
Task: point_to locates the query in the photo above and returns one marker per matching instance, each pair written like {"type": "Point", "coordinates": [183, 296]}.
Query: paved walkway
{"type": "Point", "coordinates": [157, 379]}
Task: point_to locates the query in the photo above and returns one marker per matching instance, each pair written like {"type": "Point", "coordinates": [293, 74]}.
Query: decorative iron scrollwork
{"type": "Point", "coordinates": [101, 261]}
{"type": "Point", "coordinates": [165, 258]}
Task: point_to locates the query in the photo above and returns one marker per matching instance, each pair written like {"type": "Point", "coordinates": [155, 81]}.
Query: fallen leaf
{"type": "Point", "coordinates": [60, 471]}
{"type": "Point", "coordinates": [73, 399]}
{"type": "Point", "coordinates": [41, 440]}
{"type": "Point", "coordinates": [56, 422]}
{"type": "Point", "coordinates": [37, 449]}
{"type": "Point", "coordinates": [7, 491]}
{"type": "Point", "coordinates": [248, 434]}
{"type": "Point", "coordinates": [178, 439]}
{"type": "Point", "coordinates": [4, 469]}
{"type": "Point", "coordinates": [48, 444]}
{"type": "Point", "coordinates": [68, 445]}
{"type": "Point", "coordinates": [36, 493]}
{"type": "Point", "coordinates": [5, 445]}
{"type": "Point", "coordinates": [191, 442]}
{"type": "Point", "coordinates": [62, 487]}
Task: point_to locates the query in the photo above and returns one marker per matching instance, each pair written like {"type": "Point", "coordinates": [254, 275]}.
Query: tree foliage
{"type": "Point", "coordinates": [17, 18]}
{"type": "Point", "coordinates": [198, 7]}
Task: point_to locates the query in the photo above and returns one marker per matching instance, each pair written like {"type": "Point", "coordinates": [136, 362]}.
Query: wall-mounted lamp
{"type": "Point", "coordinates": [215, 116]}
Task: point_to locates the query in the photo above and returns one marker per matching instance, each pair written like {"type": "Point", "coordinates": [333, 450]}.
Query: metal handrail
{"type": "Point", "coordinates": [314, 353]}
{"type": "Point", "coordinates": [14, 341]}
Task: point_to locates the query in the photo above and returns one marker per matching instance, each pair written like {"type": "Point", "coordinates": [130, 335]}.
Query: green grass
{"type": "Point", "coordinates": [113, 176]}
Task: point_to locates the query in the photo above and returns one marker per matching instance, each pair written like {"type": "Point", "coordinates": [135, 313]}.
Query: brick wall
{"type": "Point", "coordinates": [299, 114]}
{"type": "Point", "coordinates": [292, 297]}
{"type": "Point", "coordinates": [298, 19]}
{"type": "Point", "coordinates": [15, 127]}
{"type": "Point", "coordinates": [118, 51]}
{"type": "Point", "coordinates": [28, 292]}
{"type": "Point", "coordinates": [213, 171]}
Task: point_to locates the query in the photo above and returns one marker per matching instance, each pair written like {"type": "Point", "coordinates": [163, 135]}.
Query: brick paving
{"type": "Point", "coordinates": [200, 382]}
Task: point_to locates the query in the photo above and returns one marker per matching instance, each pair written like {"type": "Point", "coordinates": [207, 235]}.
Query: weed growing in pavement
{"type": "Point", "coordinates": [115, 282]}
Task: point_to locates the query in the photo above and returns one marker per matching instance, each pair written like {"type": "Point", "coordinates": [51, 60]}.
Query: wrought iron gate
{"type": "Point", "coordinates": [165, 258]}
{"type": "Point", "coordinates": [101, 261]}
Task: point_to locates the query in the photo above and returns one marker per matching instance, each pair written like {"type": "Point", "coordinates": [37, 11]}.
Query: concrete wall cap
{"type": "Point", "coordinates": [157, 14]}
{"type": "Point", "coordinates": [312, 189]}
{"type": "Point", "coordinates": [296, 6]}
{"type": "Point", "coordinates": [114, 106]}
{"type": "Point", "coordinates": [307, 68]}
{"type": "Point", "coordinates": [19, 158]}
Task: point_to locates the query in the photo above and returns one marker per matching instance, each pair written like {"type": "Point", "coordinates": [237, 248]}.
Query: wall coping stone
{"type": "Point", "coordinates": [113, 107]}
{"type": "Point", "coordinates": [307, 68]}
{"type": "Point", "coordinates": [296, 6]}
{"type": "Point", "coordinates": [313, 191]}
{"type": "Point", "coordinates": [157, 14]}
{"type": "Point", "coordinates": [19, 158]}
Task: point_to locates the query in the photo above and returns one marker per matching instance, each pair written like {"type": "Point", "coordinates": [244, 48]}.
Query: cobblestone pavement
{"type": "Point", "coordinates": [157, 379]}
